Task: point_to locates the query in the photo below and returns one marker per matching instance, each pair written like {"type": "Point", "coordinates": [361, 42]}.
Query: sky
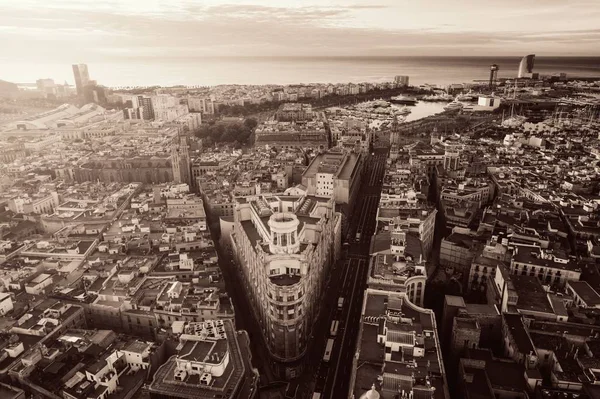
{"type": "Point", "coordinates": [62, 32]}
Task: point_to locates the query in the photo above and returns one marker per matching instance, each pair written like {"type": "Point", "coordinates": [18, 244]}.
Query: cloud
{"type": "Point", "coordinates": [367, 7]}
{"type": "Point", "coordinates": [66, 31]}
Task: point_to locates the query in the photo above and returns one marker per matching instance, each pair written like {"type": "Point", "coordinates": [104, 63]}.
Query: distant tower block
{"type": "Point", "coordinates": [526, 66]}
{"type": "Point", "coordinates": [493, 75]}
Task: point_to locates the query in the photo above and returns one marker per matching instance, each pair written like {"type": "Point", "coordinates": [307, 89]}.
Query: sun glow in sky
{"type": "Point", "coordinates": [71, 31]}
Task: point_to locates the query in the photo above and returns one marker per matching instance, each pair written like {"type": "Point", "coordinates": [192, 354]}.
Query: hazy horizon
{"type": "Point", "coordinates": [313, 69]}
{"type": "Point", "coordinates": [38, 36]}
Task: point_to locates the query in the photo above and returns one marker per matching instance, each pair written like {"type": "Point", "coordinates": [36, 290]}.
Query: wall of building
{"type": "Point", "coordinates": [285, 312]}
{"type": "Point", "coordinates": [108, 171]}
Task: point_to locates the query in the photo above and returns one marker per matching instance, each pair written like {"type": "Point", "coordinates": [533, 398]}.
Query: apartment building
{"type": "Point", "coordinates": [285, 247]}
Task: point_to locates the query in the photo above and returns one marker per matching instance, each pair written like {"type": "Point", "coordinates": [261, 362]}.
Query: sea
{"type": "Point", "coordinates": [296, 70]}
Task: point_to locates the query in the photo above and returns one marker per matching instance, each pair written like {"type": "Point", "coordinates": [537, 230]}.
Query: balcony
{"type": "Point", "coordinates": [285, 279]}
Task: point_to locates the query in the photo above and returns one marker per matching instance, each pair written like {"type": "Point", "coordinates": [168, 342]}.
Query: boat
{"type": "Point", "coordinates": [437, 97]}
{"type": "Point", "coordinates": [470, 96]}
{"type": "Point", "coordinates": [403, 100]}
{"type": "Point", "coordinates": [404, 110]}
{"type": "Point", "coordinates": [454, 106]}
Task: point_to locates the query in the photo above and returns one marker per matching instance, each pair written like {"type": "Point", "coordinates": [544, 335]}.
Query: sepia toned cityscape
{"type": "Point", "coordinates": [412, 225]}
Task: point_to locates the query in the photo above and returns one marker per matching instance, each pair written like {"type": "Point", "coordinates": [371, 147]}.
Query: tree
{"type": "Point", "coordinates": [221, 132]}
{"type": "Point", "coordinates": [207, 142]}
{"type": "Point", "coordinates": [250, 123]}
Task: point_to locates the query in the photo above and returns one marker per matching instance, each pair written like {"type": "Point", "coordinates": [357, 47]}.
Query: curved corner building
{"type": "Point", "coordinates": [285, 246]}
{"type": "Point", "coordinates": [526, 66]}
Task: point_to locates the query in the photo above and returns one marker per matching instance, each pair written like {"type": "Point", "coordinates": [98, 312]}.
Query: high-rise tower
{"type": "Point", "coordinates": [82, 77]}
{"type": "Point", "coordinates": [526, 66]}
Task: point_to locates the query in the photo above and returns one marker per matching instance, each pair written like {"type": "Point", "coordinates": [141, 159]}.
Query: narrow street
{"type": "Point", "coordinates": [347, 279]}
{"type": "Point", "coordinates": [350, 276]}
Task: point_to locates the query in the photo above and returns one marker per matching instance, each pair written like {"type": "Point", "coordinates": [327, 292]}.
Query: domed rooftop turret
{"type": "Point", "coordinates": [371, 394]}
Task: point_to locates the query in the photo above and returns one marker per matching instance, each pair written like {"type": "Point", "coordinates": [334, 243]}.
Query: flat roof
{"type": "Point", "coordinates": [196, 351]}
{"type": "Point", "coordinates": [8, 391]}
{"type": "Point", "coordinates": [532, 295]}
{"type": "Point", "coordinates": [403, 322]}
{"type": "Point", "coordinates": [349, 166]}
{"type": "Point", "coordinates": [343, 164]}
{"type": "Point", "coordinates": [466, 323]}
{"type": "Point", "coordinates": [506, 375]}
{"type": "Point", "coordinates": [532, 256]}
{"type": "Point", "coordinates": [454, 300]}
{"type": "Point", "coordinates": [479, 386]}
{"type": "Point", "coordinates": [519, 333]}
{"type": "Point", "coordinates": [237, 378]}
{"type": "Point", "coordinates": [585, 292]}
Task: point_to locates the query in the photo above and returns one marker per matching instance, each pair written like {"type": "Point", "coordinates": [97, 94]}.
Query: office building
{"type": "Point", "coordinates": [334, 174]}
{"type": "Point", "coordinates": [82, 77]}
{"type": "Point", "coordinates": [203, 105]}
{"type": "Point", "coordinates": [167, 107]}
{"type": "Point", "coordinates": [526, 66]}
{"type": "Point", "coordinates": [161, 107]}
{"type": "Point", "coordinates": [401, 80]}
{"type": "Point", "coordinates": [145, 103]}
{"type": "Point", "coordinates": [138, 107]}
{"type": "Point", "coordinates": [285, 247]}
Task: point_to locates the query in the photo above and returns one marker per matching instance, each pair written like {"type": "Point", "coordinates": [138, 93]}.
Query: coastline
{"type": "Point", "coordinates": [215, 71]}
